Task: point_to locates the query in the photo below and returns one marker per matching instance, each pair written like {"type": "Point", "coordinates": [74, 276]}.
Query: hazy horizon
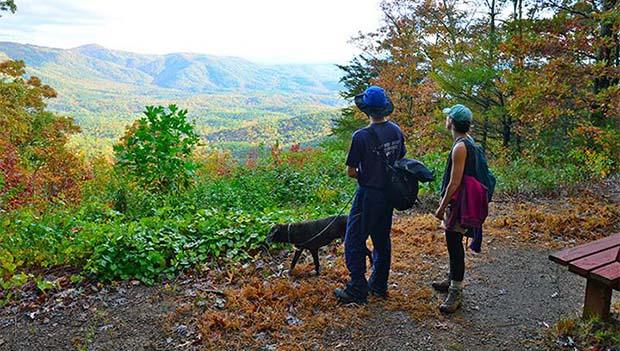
{"type": "Point", "coordinates": [169, 53]}
{"type": "Point", "coordinates": [270, 31]}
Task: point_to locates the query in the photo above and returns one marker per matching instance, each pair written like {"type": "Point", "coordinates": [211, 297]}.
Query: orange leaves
{"type": "Point", "coordinates": [16, 186]}
{"type": "Point", "coordinates": [216, 163]}
{"type": "Point", "coordinates": [59, 175]}
{"type": "Point", "coordinates": [580, 219]}
{"type": "Point", "coordinates": [295, 312]}
{"type": "Point", "coordinates": [13, 69]}
{"type": "Point", "coordinates": [278, 306]}
{"type": "Point", "coordinates": [296, 155]}
{"type": "Point", "coordinates": [35, 163]}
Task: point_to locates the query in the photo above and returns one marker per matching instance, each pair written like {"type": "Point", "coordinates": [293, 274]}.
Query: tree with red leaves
{"type": "Point", "coordinates": [35, 164]}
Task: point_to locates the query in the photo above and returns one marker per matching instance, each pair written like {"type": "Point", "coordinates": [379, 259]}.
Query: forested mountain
{"type": "Point", "coordinates": [105, 90]}
{"type": "Point", "coordinates": [179, 71]}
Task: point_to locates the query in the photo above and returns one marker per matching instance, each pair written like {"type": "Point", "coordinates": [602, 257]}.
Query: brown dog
{"type": "Point", "coordinates": [303, 236]}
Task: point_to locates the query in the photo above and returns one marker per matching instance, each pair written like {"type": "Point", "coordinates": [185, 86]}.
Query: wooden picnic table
{"type": "Point", "coordinates": [599, 262]}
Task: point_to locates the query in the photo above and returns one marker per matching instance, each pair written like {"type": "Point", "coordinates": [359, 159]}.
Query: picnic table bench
{"type": "Point", "coordinates": [599, 262]}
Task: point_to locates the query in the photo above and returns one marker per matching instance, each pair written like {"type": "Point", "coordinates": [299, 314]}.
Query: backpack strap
{"type": "Point", "coordinates": [470, 140]}
{"type": "Point", "coordinates": [377, 143]}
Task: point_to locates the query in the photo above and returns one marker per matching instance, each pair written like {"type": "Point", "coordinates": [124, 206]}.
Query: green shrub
{"type": "Point", "coordinates": [123, 230]}
{"type": "Point", "coordinates": [156, 150]}
{"type": "Point", "coordinates": [134, 233]}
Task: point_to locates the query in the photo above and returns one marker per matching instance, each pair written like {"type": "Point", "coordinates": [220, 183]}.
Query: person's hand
{"type": "Point", "coordinates": [439, 214]}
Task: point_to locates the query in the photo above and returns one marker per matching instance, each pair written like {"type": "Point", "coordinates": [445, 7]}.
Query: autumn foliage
{"type": "Point", "coordinates": [541, 76]}
{"type": "Point", "coordinates": [36, 166]}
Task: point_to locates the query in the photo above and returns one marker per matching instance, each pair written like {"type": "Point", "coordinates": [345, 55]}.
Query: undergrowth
{"type": "Point", "coordinates": [584, 334]}
{"type": "Point", "coordinates": [121, 231]}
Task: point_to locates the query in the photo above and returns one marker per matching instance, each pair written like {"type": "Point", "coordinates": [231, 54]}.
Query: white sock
{"type": "Point", "coordinates": [456, 284]}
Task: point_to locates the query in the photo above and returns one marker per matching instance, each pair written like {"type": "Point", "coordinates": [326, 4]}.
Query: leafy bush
{"type": "Point", "coordinates": [163, 233]}
{"type": "Point", "coordinates": [156, 150]}
{"type": "Point", "coordinates": [595, 150]}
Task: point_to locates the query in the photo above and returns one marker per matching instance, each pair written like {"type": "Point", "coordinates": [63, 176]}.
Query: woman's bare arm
{"type": "Point", "coordinates": [459, 154]}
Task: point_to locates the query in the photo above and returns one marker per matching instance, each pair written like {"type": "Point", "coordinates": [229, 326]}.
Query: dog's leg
{"type": "Point", "coordinates": [295, 259]}
{"type": "Point", "coordinates": [369, 254]}
{"type": "Point", "coordinates": [315, 257]}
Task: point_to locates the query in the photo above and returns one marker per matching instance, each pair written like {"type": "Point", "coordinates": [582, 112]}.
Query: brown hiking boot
{"type": "Point", "coordinates": [453, 301]}
{"type": "Point", "coordinates": [441, 285]}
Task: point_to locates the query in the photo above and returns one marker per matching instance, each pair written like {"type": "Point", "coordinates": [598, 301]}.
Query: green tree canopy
{"type": "Point", "coordinates": [7, 5]}
{"type": "Point", "coordinates": [156, 149]}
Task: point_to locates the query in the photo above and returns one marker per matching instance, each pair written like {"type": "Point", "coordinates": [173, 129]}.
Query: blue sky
{"type": "Point", "coordinates": [271, 31]}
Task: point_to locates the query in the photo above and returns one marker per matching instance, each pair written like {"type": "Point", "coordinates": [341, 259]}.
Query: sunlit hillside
{"type": "Point", "coordinates": [229, 98]}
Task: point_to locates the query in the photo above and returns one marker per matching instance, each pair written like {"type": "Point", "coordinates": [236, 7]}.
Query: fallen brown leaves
{"type": "Point", "coordinates": [574, 220]}
{"type": "Point", "coordinates": [265, 307]}
{"type": "Point", "coordinates": [294, 312]}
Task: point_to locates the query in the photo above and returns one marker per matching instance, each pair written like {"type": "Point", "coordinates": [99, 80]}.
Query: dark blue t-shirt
{"type": "Point", "coordinates": [369, 165]}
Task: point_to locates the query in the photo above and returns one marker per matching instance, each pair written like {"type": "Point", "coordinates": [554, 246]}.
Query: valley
{"type": "Point", "coordinates": [236, 104]}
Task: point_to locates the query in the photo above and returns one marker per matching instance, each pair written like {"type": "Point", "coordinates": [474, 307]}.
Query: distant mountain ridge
{"type": "Point", "coordinates": [235, 103]}
{"type": "Point", "coordinates": [184, 72]}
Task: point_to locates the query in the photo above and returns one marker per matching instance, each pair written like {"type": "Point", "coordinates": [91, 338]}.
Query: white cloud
{"type": "Point", "coordinates": [261, 30]}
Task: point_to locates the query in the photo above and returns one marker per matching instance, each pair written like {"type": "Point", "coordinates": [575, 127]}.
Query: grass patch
{"type": "Point", "coordinates": [584, 334]}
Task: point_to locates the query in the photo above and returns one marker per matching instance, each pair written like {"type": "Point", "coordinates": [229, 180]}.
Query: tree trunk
{"type": "Point", "coordinates": [492, 33]}
{"type": "Point", "coordinates": [604, 55]}
{"type": "Point", "coordinates": [485, 131]}
{"type": "Point", "coordinates": [506, 130]}
{"type": "Point", "coordinates": [604, 52]}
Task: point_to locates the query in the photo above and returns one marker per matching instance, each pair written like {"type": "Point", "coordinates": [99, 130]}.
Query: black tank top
{"type": "Point", "coordinates": [470, 163]}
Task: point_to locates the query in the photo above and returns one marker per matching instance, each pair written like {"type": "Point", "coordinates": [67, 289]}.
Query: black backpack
{"type": "Point", "coordinates": [402, 190]}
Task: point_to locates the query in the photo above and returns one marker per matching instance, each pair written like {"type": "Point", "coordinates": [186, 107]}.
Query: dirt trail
{"type": "Point", "coordinates": [509, 303]}
{"type": "Point", "coordinates": [513, 295]}
{"type": "Point", "coordinates": [511, 298]}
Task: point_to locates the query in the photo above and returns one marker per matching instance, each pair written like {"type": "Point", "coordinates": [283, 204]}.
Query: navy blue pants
{"type": "Point", "coordinates": [371, 214]}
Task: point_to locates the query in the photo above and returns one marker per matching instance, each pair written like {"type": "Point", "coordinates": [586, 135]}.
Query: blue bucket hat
{"type": "Point", "coordinates": [459, 113]}
{"type": "Point", "coordinates": [374, 102]}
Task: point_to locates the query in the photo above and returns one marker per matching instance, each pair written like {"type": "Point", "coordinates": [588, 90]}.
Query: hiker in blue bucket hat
{"type": "Point", "coordinates": [374, 102]}
{"type": "Point", "coordinates": [371, 212]}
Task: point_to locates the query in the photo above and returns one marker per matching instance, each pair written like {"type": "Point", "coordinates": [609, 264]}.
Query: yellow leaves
{"type": "Point", "coordinates": [13, 69]}
{"type": "Point", "coordinates": [7, 263]}
{"type": "Point", "coordinates": [214, 163]}
{"type": "Point", "coordinates": [326, 195]}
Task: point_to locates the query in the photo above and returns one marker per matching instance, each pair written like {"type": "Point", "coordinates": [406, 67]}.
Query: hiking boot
{"type": "Point", "coordinates": [379, 295]}
{"type": "Point", "coordinates": [453, 301]}
{"type": "Point", "coordinates": [345, 298]}
{"type": "Point", "coordinates": [441, 285]}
